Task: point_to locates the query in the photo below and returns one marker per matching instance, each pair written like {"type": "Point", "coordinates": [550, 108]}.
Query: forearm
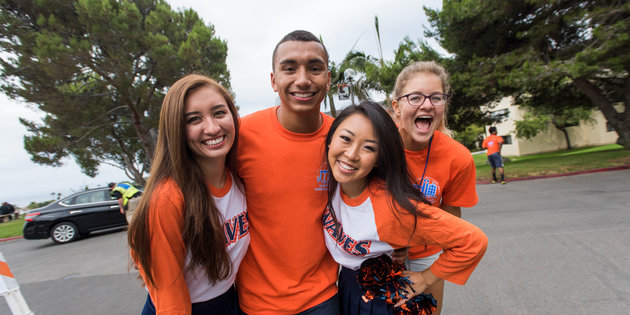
{"type": "Point", "coordinates": [456, 211]}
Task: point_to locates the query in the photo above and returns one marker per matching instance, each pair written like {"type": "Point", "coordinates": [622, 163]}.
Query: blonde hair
{"type": "Point", "coordinates": [430, 67]}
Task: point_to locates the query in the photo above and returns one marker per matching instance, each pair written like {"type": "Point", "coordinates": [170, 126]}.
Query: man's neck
{"type": "Point", "coordinates": [299, 123]}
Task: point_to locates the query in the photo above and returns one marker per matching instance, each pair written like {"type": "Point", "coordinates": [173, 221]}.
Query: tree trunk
{"type": "Point", "coordinates": [333, 110]}
{"type": "Point", "coordinates": [620, 121]}
{"type": "Point", "coordinates": [566, 136]}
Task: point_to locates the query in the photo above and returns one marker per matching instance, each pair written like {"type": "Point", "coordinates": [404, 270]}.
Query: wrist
{"type": "Point", "coordinates": [429, 277]}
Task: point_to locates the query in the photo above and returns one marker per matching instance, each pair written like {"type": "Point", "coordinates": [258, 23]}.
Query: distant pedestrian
{"type": "Point", "coordinates": [494, 143]}
{"type": "Point", "coordinates": [8, 208]}
{"type": "Point", "coordinates": [123, 192]}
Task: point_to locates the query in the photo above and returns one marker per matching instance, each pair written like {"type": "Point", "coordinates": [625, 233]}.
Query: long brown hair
{"type": "Point", "coordinates": [203, 227]}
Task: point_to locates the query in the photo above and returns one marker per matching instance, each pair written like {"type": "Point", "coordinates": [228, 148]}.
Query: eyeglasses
{"type": "Point", "coordinates": [417, 99]}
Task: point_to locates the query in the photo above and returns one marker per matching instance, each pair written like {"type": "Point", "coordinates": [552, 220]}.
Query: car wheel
{"type": "Point", "coordinates": [64, 232]}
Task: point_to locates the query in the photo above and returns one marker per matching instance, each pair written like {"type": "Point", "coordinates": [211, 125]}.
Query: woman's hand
{"type": "Point", "coordinates": [400, 255]}
{"type": "Point", "coordinates": [420, 281]}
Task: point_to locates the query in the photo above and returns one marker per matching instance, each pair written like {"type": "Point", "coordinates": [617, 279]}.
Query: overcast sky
{"type": "Point", "coordinates": [251, 29]}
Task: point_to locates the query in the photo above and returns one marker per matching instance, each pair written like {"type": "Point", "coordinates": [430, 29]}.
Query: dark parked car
{"type": "Point", "coordinates": [77, 215]}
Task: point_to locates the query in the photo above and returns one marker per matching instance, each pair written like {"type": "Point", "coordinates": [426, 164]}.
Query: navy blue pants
{"type": "Point", "coordinates": [328, 307]}
{"type": "Point", "coordinates": [350, 297]}
{"type": "Point", "coordinates": [226, 303]}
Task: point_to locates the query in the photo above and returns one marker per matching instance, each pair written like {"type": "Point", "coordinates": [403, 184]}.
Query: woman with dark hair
{"type": "Point", "coordinates": [373, 208]}
{"type": "Point", "coordinates": [190, 231]}
{"type": "Point", "coordinates": [442, 168]}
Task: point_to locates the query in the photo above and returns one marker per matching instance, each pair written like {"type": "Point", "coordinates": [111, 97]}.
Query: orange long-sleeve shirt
{"type": "Point", "coordinates": [175, 288]}
{"type": "Point", "coordinates": [370, 227]}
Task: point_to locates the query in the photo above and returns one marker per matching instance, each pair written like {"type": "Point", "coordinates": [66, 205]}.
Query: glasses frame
{"type": "Point", "coordinates": [446, 96]}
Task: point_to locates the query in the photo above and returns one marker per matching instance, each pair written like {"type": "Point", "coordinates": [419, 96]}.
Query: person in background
{"type": "Point", "coordinates": [287, 269]}
{"type": "Point", "coordinates": [9, 209]}
{"type": "Point", "coordinates": [373, 208]}
{"type": "Point", "coordinates": [494, 143]}
{"type": "Point", "coordinates": [123, 192]}
{"type": "Point", "coordinates": [443, 169]}
{"type": "Point", "coordinates": [190, 231]}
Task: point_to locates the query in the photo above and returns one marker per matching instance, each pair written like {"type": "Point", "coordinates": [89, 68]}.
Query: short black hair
{"type": "Point", "coordinates": [111, 185]}
{"type": "Point", "coordinates": [492, 129]}
{"type": "Point", "coordinates": [298, 36]}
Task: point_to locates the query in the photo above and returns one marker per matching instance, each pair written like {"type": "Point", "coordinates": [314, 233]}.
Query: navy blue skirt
{"type": "Point", "coordinates": [350, 297]}
{"type": "Point", "coordinates": [226, 303]}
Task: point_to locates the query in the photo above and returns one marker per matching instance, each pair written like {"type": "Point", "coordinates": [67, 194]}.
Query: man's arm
{"type": "Point", "coordinates": [122, 207]}
{"type": "Point", "coordinates": [456, 211]}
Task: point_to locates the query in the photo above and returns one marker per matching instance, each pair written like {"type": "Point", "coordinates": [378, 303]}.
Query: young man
{"type": "Point", "coordinates": [288, 269]}
{"type": "Point", "coordinates": [494, 143]}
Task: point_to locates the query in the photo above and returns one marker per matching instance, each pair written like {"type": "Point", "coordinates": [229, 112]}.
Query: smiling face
{"type": "Point", "coordinates": [210, 130]}
{"type": "Point", "coordinates": [418, 123]}
{"type": "Point", "coordinates": [300, 76]}
{"type": "Point", "coordinates": [352, 153]}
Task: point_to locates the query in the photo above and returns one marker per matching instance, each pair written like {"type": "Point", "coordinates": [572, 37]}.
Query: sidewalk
{"type": "Point", "coordinates": [605, 169]}
{"type": "Point", "coordinates": [484, 182]}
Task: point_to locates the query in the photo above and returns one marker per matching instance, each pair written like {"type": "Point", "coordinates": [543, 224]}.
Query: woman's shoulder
{"type": "Point", "coordinates": [167, 190]}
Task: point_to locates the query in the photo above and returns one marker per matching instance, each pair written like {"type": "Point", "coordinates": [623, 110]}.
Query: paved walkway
{"type": "Point", "coordinates": [557, 246]}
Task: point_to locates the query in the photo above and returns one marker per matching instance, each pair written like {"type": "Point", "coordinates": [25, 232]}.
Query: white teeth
{"type": "Point", "coordinates": [346, 166]}
{"type": "Point", "coordinates": [214, 141]}
{"type": "Point", "coordinates": [303, 94]}
{"type": "Point", "coordinates": [425, 117]}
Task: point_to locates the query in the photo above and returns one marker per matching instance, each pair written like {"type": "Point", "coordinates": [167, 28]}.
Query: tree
{"type": "Point", "coordinates": [509, 46]}
{"type": "Point", "coordinates": [99, 70]}
{"type": "Point", "coordinates": [559, 104]}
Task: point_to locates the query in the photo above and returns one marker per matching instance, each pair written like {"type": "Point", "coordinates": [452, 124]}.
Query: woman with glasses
{"type": "Point", "coordinates": [442, 168]}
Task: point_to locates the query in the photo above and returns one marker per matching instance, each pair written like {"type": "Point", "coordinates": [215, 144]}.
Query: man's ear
{"type": "Point", "coordinates": [273, 83]}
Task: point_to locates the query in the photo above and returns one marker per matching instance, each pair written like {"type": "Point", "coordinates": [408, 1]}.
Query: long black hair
{"type": "Point", "coordinates": [390, 158]}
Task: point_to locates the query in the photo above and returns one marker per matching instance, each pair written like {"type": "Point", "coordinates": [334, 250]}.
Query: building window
{"type": "Point", "coordinates": [507, 139]}
{"type": "Point", "coordinates": [500, 114]}
{"type": "Point", "coordinates": [609, 127]}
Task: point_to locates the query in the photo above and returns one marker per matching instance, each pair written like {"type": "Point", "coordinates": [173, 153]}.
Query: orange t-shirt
{"type": "Point", "coordinates": [287, 268]}
{"type": "Point", "coordinates": [449, 178]}
{"type": "Point", "coordinates": [492, 143]}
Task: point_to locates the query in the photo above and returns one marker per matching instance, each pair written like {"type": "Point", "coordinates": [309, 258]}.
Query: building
{"type": "Point", "coordinates": [586, 134]}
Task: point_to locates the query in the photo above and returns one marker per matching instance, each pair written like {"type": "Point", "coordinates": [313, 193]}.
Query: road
{"type": "Point", "coordinates": [557, 246]}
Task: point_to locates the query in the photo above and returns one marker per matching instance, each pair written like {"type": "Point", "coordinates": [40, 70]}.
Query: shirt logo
{"type": "Point", "coordinates": [236, 228]}
{"type": "Point", "coordinates": [430, 189]}
{"type": "Point", "coordinates": [322, 180]}
{"type": "Point", "coordinates": [345, 242]}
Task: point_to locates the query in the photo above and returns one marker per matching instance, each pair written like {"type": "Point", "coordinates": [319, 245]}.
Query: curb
{"type": "Point", "coordinates": [484, 182]}
{"type": "Point", "coordinates": [10, 238]}
{"type": "Point", "coordinates": [597, 170]}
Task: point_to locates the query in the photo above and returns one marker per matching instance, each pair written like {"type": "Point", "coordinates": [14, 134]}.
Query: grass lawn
{"type": "Point", "coordinates": [558, 162]}
{"type": "Point", "coordinates": [11, 228]}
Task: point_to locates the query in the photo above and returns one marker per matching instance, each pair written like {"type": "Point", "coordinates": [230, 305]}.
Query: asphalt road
{"type": "Point", "coordinates": [557, 246]}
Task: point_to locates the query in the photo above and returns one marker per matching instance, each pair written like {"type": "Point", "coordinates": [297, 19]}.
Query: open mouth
{"type": "Point", "coordinates": [214, 141]}
{"type": "Point", "coordinates": [423, 123]}
{"type": "Point", "coordinates": [346, 166]}
{"type": "Point", "coordinates": [303, 95]}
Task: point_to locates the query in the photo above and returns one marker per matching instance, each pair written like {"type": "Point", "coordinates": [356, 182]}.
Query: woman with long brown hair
{"type": "Point", "coordinates": [190, 230]}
